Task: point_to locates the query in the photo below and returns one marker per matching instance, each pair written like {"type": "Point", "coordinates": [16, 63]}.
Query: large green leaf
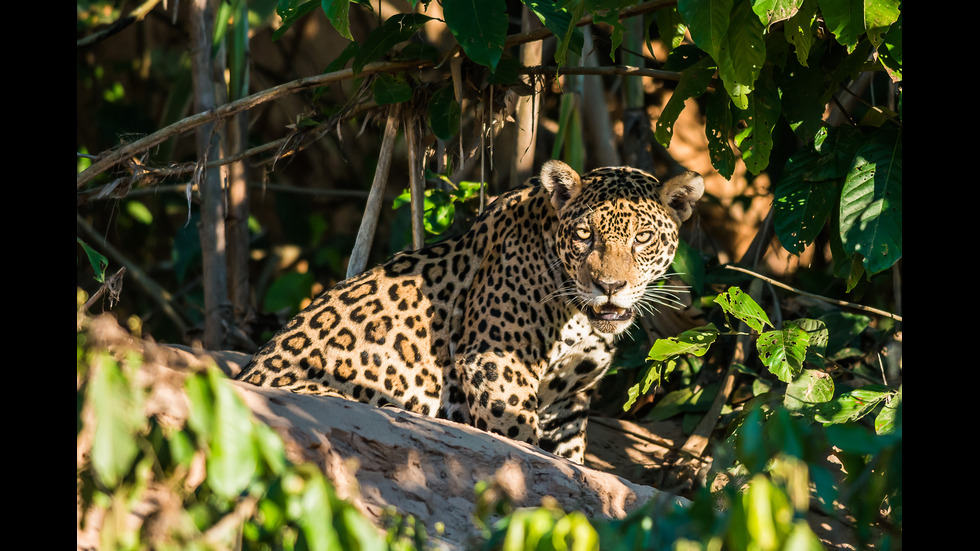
{"type": "Point", "coordinates": [802, 206]}
{"type": "Point", "coordinates": [800, 30]}
{"type": "Point", "coordinates": [693, 83]}
{"type": "Point", "coordinates": [480, 28]}
{"type": "Point", "coordinates": [848, 20]}
{"type": "Point", "coordinates": [807, 389]}
{"type": "Point", "coordinates": [233, 456]}
{"type": "Point", "coordinates": [693, 341]}
{"type": "Point", "coordinates": [760, 115]}
{"type": "Point", "coordinates": [742, 306]}
{"type": "Point", "coordinates": [119, 416]}
{"type": "Point", "coordinates": [708, 22]}
{"type": "Point", "coordinates": [871, 203]}
{"type": "Point", "coordinates": [561, 23]}
{"type": "Point", "coordinates": [805, 86]}
{"type": "Point", "coordinates": [741, 54]}
{"type": "Point", "coordinates": [783, 351]}
{"type": "Point", "coordinates": [771, 11]}
{"type": "Point", "coordinates": [290, 11]}
{"type": "Point", "coordinates": [718, 127]}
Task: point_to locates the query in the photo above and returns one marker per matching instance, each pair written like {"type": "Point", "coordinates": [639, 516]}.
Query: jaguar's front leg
{"type": "Point", "coordinates": [502, 396]}
{"type": "Point", "coordinates": [563, 426]}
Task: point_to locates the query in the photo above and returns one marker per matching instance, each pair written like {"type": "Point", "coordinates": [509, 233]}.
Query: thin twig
{"type": "Point", "coordinates": [153, 289]}
{"type": "Point", "coordinates": [126, 151]}
{"type": "Point", "coordinates": [621, 70]}
{"type": "Point", "coordinates": [818, 297]}
{"type": "Point", "coordinates": [112, 285]}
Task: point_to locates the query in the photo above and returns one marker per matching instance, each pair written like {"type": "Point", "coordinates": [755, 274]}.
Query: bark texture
{"type": "Point", "coordinates": [381, 457]}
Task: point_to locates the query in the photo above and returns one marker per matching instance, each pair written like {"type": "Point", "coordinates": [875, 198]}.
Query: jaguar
{"type": "Point", "coordinates": [509, 326]}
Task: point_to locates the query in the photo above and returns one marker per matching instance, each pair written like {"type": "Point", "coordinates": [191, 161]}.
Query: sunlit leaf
{"type": "Point", "coordinates": [871, 203]}
{"type": "Point", "coordinates": [232, 459]}
{"type": "Point", "coordinates": [783, 351]}
{"type": "Point", "coordinates": [852, 405]}
{"type": "Point", "coordinates": [718, 129]}
{"type": "Point", "coordinates": [736, 303]}
{"type": "Point", "coordinates": [694, 82]}
{"type": "Point", "coordinates": [809, 388]}
{"type": "Point", "coordinates": [118, 408]}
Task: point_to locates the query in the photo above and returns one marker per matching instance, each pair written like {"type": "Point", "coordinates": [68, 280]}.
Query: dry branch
{"type": "Point", "coordinates": [129, 150]}
{"type": "Point", "coordinates": [365, 233]}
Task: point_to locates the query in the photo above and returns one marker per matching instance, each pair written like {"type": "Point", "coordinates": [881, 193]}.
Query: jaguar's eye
{"type": "Point", "coordinates": [583, 234]}
{"type": "Point", "coordinates": [643, 237]}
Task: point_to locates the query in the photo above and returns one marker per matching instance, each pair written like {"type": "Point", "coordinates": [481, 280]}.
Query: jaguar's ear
{"type": "Point", "coordinates": [681, 192]}
{"type": "Point", "coordinates": [561, 181]}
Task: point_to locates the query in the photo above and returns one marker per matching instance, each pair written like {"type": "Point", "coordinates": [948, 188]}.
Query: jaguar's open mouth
{"type": "Point", "coordinates": [609, 312]}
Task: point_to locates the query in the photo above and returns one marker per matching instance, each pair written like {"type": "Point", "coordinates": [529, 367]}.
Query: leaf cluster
{"type": "Point", "coordinates": [218, 478]}
{"type": "Point", "coordinates": [797, 416]}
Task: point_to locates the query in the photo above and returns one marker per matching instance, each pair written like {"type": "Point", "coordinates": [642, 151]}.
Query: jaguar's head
{"type": "Point", "coordinates": [617, 233]}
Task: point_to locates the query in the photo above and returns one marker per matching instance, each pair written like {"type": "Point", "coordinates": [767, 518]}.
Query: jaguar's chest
{"type": "Point", "coordinates": [577, 361]}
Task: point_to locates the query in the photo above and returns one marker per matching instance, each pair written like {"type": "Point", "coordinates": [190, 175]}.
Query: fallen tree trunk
{"type": "Point", "coordinates": [382, 458]}
{"type": "Point", "coordinates": [386, 457]}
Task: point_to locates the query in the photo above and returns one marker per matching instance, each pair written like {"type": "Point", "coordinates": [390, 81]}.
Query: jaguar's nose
{"type": "Point", "coordinates": [609, 288]}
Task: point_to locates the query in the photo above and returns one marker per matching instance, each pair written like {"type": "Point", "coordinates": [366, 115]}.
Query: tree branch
{"type": "Point", "coordinates": [817, 297]}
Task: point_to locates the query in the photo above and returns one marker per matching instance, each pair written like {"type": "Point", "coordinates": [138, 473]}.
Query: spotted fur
{"type": "Point", "coordinates": [508, 327]}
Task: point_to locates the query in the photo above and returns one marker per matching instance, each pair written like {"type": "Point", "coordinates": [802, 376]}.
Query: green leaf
{"type": "Point", "coordinates": [848, 20]}
{"type": "Point", "coordinates": [708, 22]}
{"type": "Point", "coordinates": [693, 83]}
{"type": "Point", "coordinates": [480, 28]}
{"type": "Point", "coordinates": [741, 55]}
{"type": "Point", "coordinates": [561, 23]}
{"type": "Point", "coordinates": [671, 27]}
{"type": "Point", "coordinates": [118, 409]}
{"type": "Point", "coordinates": [805, 87]}
{"type": "Point", "coordinates": [689, 266]}
{"type": "Point", "coordinates": [395, 30]}
{"type": "Point", "coordinates": [718, 119]}
{"type": "Point", "coordinates": [800, 29]}
{"type": "Point", "coordinates": [760, 115]}
{"type": "Point", "coordinates": [444, 113]}
{"type": "Point", "coordinates": [139, 212]}
{"type": "Point", "coordinates": [233, 459]}
{"type": "Point", "coordinates": [772, 11]}
{"type": "Point", "coordinates": [809, 388]}
{"type": "Point", "coordinates": [871, 203]}
{"type": "Point", "coordinates": [388, 88]}
{"type": "Point", "coordinates": [853, 405]}
{"type": "Point", "coordinates": [887, 421]}
{"type": "Point", "coordinates": [802, 207]}
{"type": "Point", "coordinates": [695, 341]}
{"type": "Point", "coordinates": [768, 513]}
{"type": "Point", "coordinates": [290, 11]}
{"type": "Point", "coordinates": [818, 337]}
{"type": "Point", "coordinates": [783, 351]}
{"type": "Point", "coordinates": [96, 259]}
{"type": "Point", "coordinates": [891, 54]}
{"type": "Point", "coordinates": [741, 305]}
{"type": "Point", "coordinates": [288, 291]}
{"type": "Point", "coordinates": [337, 11]}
